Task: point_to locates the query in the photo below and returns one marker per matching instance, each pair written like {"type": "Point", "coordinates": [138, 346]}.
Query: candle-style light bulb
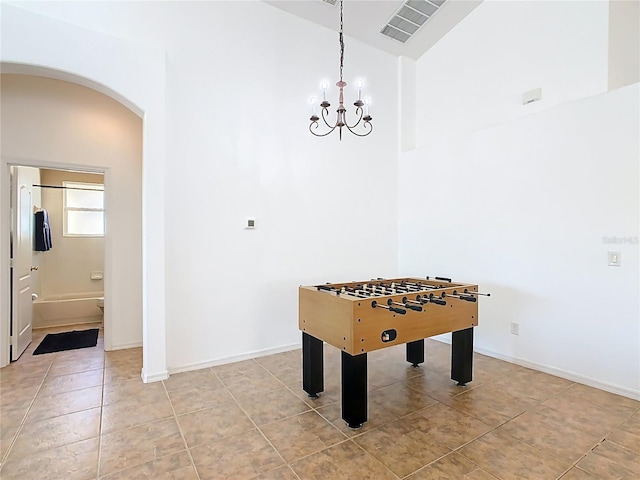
{"type": "Point", "coordinates": [312, 101]}
{"type": "Point", "coordinates": [367, 101]}
{"type": "Point", "coordinates": [324, 85]}
{"type": "Point", "coordinates": [359, 83]}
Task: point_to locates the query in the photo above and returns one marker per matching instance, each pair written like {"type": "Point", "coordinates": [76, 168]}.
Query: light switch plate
{"type": "Point", "coordinates": [614, 259]}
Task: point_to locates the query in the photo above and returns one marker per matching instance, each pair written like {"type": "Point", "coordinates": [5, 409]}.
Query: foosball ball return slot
{"type": "Point", "coordinates": [360, 317]}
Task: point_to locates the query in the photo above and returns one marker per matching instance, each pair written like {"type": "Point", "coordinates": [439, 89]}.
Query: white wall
{"type": "Point", "coordinates": [67, 267]}
{"type": "Point", "coordinates": [48, 122]}
{"type": "Point", "coordinates": [624, 43]}
{"type": "Point", "coordinates": [237, 145]}
{"type": "Point", "coordinates": [522, 199]}
{"type": "Point", "coordinates": [476, 75]}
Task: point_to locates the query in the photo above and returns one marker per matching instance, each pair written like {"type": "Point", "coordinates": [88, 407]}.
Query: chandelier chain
{"type": "Point", "coordinates": [341, 41]}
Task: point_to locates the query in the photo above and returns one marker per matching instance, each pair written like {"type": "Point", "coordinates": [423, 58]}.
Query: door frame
{"type": "Point", "coordinates": [5, 223]}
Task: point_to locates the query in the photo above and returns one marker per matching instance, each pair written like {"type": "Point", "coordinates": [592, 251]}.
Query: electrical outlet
{"type": "Point", "coordinates": [515, 328]}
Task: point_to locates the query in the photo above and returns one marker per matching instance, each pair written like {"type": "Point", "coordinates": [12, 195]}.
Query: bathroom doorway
{"type": "Point", "coordinates": [64, 213]}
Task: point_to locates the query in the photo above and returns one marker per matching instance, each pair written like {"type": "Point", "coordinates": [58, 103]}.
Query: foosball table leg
{"type": "Point", "coordinates": [354, 389]}
{"type": "Point", "coordinates": [312, 365]}
{"type": "Point", "coordinates": [462, 356]}
{"type": "Point", "coordinates": [415, 352]}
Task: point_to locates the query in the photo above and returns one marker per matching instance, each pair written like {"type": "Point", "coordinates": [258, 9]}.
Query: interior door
{"type": "Point", "coordinates": [22, 242]}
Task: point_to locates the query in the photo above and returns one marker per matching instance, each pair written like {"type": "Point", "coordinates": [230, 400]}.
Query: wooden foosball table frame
{"type": "Point", "coordinates": [360, 317]}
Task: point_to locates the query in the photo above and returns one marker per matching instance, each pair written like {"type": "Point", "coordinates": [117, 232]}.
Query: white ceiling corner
{"type": "Point", "coordinates": [363, 20]}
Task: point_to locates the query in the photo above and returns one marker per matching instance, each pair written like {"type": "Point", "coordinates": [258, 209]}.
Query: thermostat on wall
{"type": "Point", "coordinates": [250, 223]}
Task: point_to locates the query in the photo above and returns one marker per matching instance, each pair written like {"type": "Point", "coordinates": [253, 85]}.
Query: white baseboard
{"type": "Point", "coordinates": [124, 346]}
{"type": "Point", "coordinates": [153, 377]}
{"type": "Point", "coordinates": [558, 372]}
{"type": "Point", "coordinates": [234, 358]}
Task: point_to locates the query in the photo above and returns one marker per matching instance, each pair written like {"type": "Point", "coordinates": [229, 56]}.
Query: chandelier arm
{"type": "Point", "coordinates": [320, 134]}
{"type": "Point", "coordinates": [325, 112]}
{"type": "Point", "coordinates": [361, 112]}
{"type": "Point", "coordinates": [366, 125]}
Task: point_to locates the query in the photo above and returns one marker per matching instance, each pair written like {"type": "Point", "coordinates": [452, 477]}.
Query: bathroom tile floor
{"type": "Point", "coordinates": [85, 414]}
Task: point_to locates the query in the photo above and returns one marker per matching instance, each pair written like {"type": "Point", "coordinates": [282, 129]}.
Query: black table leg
{"type": "Point", "coordinates": [354, 389]}
{"type": "Point", "coordinates": [415, 352]}
{"type": "Point", "coordinates": [312, 365]}
{"type": "Point", "coordinates": [462, 356]}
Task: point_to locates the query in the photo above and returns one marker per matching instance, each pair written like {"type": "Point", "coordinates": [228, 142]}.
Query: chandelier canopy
{"type": "Point", "coordinates": [363, 122]}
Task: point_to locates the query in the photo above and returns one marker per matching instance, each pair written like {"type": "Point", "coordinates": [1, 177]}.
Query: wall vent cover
{"type": "Point", "coordinates": [330, 2]}
{"type": "Point", "coordinates": [411, 15]}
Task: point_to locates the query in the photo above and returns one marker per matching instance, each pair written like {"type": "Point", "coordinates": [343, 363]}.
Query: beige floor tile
{"type": "Point", "coordinates": [176, 466]}
{"type": "Point", "coordinates": [438, 385]}
{"type": "Point", "coordinates": [65, 366]}
{"type": "Point", "coordinates": [577, 474]}
{"type": "Point", "coordinates": [299, 436]}
{"type": "Point", "coordinates": [119, 373]}
{"type": "Point", "coordinates": [329, 396]}
{"type": "Point", "coordinates": [70, 382]}
{"type": "Point", "coordinates": [401, 446]}
{"type": "Point", "coordinates": [123, 357]}
{"type": "Point", "coordinates": [585, 416]}
{"type": "Point", "coordinates": [583, 393]}
{"type": "Point", "coordinates": [191, 399]}
{"type": "Point", "coordinates": [627, 437]}
{"type": "Point", "coordinates": [551, 436]}
{"type": "Point", "coordinates": [239, 457]}
{"type": "Point", "coordinates": [194, 379]}
{"type": "Point", "coordinates": [49, 406]}
{"type": "Point", "coordinates": [246, 367]}
{"type": "Point", "coordinates": [448, 426]}
{"type": "Point", "coordinates": [611, 461]}
{"type": "Point", "coordinates": [77, 461]}
{"type": "Point", "coordinates": [18, 394]}
{"type": "Point", "coordinates": [134, 446]}
{"type": "Point", "coordinates": [148, 407]}
{"type": "Point", "coordinates": [272, 406]}
{"type": "Point", "coordinates": [510, 459]}
{"type": "Point", "coordinates": [55, 432]}
{"type": "Point", "coordinates": [245, 386]}
{"type": "Point", "coordinates": [282, 361]}
{"type": "Point", "coordinates": [399, 400]}
{"type": "Point", "coordinates": [377, 416]}
{"type": "Point", "coordinates": [120, 391]}
{"type": "Point", "coordinates": [7, 434]}
{"type": "Point", "coordinates": [344, 461]}
{"type": "Point", "coordinates": [211, 424]}
{"type": "Point", "coordinates": [531, 384]}
{"type": "Point", "coordinates": [13, 413]}
{"type": "Point", "coordinates": [281, 473]}
{"type": "Point", "coordinates": [490, 405]}
{"type": "Point", "coordinates": [453, 466]}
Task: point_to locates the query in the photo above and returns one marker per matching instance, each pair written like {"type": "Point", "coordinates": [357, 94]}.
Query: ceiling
{"type": "Point", "coordinates": [363, 20]}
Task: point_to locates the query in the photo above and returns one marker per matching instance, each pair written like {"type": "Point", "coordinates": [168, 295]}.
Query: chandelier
{"type": "Point", "coordinates": [362, 114]}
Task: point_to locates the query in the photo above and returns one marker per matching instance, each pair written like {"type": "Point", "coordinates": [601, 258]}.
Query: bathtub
{"type": "Point", "coordinates": [67, 309]}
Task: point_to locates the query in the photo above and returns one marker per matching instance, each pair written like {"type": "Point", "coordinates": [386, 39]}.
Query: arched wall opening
{"type": "Point", "coordinates": [37, 45]}
{"type": "Point", "coordinates": [58, 125]}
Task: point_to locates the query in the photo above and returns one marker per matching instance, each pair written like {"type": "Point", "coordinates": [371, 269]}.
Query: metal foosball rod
{"type": "Point", "coordinates": [476, 293]}
{"type": "Point", "coordinates": [460, 297]}
{"type": "Point", "coordinates": [415, 308]}
{"type": "Point", "coordinates": [399, 311]}
{"type": "Point", "coordinates": [432, 299]}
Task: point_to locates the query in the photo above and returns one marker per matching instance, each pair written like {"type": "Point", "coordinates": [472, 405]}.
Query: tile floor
{"type": "Point", "coordinates": [85, 414]}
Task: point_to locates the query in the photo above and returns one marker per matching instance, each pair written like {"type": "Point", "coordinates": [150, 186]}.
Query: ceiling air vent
{"type": "Point", "coordinates": [409, 18]}
{"type": "Point", "coordinates": [330, 2]}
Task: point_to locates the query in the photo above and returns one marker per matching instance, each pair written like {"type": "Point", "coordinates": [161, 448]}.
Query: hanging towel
{"type": "Point", "coordinates": [42, 232]}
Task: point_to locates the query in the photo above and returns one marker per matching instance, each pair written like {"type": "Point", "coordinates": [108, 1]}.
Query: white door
{"type": "Point", "coordinates": [21, 307]}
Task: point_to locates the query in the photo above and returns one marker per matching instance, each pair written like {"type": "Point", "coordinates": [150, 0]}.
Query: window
{"type": "Point", "coordinates": [83, 209]}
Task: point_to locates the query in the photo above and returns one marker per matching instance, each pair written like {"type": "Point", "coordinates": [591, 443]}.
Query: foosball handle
{"type": "Point", "coordinates": [417, 308]}
{"type": "Point", "coordinates": [468, 299]}
{"type": "Point", "coordinates": [399, 311]}
{"type": "Point", "coordinates": [437, 301]}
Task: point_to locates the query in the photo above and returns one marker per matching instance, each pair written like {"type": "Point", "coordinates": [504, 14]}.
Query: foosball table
{"type": "Point", "coordinates": [360, 317]}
